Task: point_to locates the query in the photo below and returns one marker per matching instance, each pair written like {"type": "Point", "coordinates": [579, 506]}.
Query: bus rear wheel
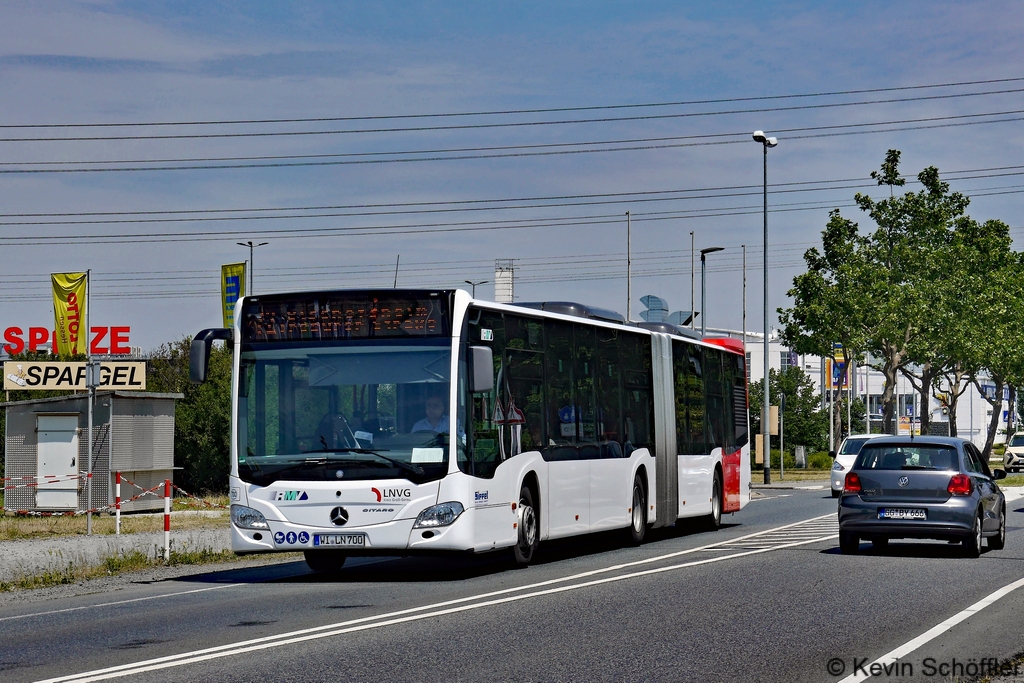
{"type": "Point", "coordinates": [529, 528]}
{"type": "Point", "coordinates": [638, 513]}
{"type": "Point", "coordinates": [714, 520]}
{"type": "Point", "coordinates": [325, 561]}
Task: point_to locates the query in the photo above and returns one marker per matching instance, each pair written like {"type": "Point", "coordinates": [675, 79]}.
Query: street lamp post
{"type": "Point", "coordinates": [252, 268]}
{"type": "Point", "coordinates": [766, 142]}
{"type": "Point", "coordinates": [474, 284]}
{"type": "Point", "coordinates": [703, 296]}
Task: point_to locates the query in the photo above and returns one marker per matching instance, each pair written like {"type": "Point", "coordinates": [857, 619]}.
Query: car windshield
{"type": "Point", "coordinates": [907, 457]}
{"type": "Point", "coordinates": [344, 411]}
{"type": "Point", "coordinates": [852, 446]}
{"type": "Point", "coordinates": [1017, 441]}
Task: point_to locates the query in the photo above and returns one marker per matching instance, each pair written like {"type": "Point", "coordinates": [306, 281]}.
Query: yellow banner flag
{"type": "Point", "coordinates": [232, 288]}
{"type": "Point", "coordinates": [69, 312]}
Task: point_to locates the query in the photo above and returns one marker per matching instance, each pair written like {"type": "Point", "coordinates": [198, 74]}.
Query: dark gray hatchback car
{"type": "Point", "coordinates": [922, 487]}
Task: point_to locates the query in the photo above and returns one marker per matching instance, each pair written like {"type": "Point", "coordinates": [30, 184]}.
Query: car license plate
{"type": "Point", "coordinates": [339, 540]}
{"type": "Point", "coordinates": [902, 513]}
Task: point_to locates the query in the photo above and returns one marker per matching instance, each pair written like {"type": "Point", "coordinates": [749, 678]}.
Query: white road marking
{"type": "Point", "coordinates": [934, 632]}
{"type": "Point", "coordinates": [436, 610]}
{"type": "Point", "coordinates": [120, 602]}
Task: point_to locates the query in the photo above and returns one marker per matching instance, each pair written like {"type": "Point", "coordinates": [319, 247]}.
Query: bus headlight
{"type": "Point", "coordinates": [247, 518]}
{"type": "Point", "coordinates": [438, 515]}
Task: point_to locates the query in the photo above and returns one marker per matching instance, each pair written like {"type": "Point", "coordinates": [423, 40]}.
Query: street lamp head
{"type": "Point", "coordinates": [710, 250]}
{"type": "Point", "coordinates": [772, 142]}
{"type": "Point", "coordinates": [759, 136]}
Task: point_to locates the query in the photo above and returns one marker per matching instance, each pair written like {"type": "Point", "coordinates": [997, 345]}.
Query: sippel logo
{"type": "Point", "coordinates": [392, 495]}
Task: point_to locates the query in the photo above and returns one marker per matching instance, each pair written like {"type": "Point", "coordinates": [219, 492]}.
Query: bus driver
{"type": "Point", "coordinates": [435, 421]}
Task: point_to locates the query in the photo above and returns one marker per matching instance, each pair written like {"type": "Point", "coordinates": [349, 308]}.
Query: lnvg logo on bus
{"type": "Point", "coordinates": [291, 495]}
{"type": "Point", "coordinates": [392, 495]}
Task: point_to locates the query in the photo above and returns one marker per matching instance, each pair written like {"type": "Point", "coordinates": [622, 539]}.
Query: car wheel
{"type": "Point", "coordinates": [638, 519]}
{"type": "Point", "coordinates": [999, 540]}
{"type": "Point", "coordinates": [714, 520]}
{"type": "Point", "coordinates": [325, 561]}
{"type": "Point", "coordinates": [972, 544]}
{"type": "Point", "coordinates": [529, 528]}
{"type": "Point", "coordinates": [880, 543]}
{"type": "Point", "coordinates": [836, 494]}
{"type": "Point", "coordinates": [849, 543]}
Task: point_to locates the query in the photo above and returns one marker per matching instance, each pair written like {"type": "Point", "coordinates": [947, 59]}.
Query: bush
{"type": "Point", "coordinates": [819, 461]}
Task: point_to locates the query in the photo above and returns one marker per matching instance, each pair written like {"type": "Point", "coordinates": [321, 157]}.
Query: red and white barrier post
{"type": "Point", "coordinates": [117, 503]}
{"type": "Point", "coordinates": [167, 520]}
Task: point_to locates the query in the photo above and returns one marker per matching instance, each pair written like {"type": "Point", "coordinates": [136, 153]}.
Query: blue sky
{"type": "Point", "coordinates": [108, 62]}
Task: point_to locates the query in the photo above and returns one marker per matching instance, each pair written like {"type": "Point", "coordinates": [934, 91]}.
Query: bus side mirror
{"type": "Point", "coordinates": [481, 369]}
{"type": "Point", "coordinates": [832, 454]}
{"type": "Point", "coordinates": [199, 352]}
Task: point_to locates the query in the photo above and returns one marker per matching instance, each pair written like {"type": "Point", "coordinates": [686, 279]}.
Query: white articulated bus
{"type": "Point", "coordinates": [396, 422]}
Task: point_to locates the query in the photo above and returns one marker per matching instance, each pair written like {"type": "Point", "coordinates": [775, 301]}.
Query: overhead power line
{"type": "Point", "coordinates": [741, 139]}
{"type": "Point", "coordinates": [507, 124]}
{"type": "Point", "coordinates": [508, 112]}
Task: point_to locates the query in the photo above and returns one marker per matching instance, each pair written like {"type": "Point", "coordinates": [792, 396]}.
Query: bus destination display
{"type": "Point", "coordinates": [344, 316]}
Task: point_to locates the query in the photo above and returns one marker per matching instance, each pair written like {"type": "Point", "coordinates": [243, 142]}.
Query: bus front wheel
{"type": "Point", "coordinates": [638, 513]}
{"type": "Point", "coordinates": [714, 520]}
{"type": "Point", "coordinates": [529, 528]}
{"type": "Point", "coordinates": [324, 561]}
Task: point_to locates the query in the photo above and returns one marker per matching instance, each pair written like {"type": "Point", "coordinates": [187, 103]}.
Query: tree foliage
{"type": "Point", "coordinates": [804, 422]}
{"type": "Point", "coordinates": [929, 292]}
{"type": "Point", "coordinates": [202, 420]}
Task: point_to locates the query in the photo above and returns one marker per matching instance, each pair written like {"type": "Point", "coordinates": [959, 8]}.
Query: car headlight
{"type": "Point", "coordinates": [837, 467]}
{"type": "Point", "coordinates": [246, 518]}
{"type": "Point", "coordinates": [439, 515]}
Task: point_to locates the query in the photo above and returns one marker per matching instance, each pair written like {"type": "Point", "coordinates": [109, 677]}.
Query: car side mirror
{"type": "Point", "coordinates": [832, 454]}
{"type": "Point", "coordinates": [481, 369]}
{"type": "Point", "coordinates": [199, 352]}
{"type": "Point", "coordinates": [999, 474]}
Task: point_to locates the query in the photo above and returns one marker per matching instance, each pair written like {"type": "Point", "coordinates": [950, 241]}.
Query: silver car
{"type": "Point", "coordinates": [923, 487]}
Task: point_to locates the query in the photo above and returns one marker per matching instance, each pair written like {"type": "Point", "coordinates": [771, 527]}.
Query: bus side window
{"type": "Point", "coordinates": [637, 378]}
{"type": "Point", "coordinates": [558, 366]}
{"type": "Point", "coordinates": [695, 400]}
{"type": "Point", "coordinates": [714, 399]}
{"type": "Point", "coordinates": [609, 393]}
{"type": "Point", "coordinates": [739, 401]}
{"type": "Point", "coordinates": [584, 353]}
{"type": "Point", "coordinates": [524, 340]}
{"type": "Point", "coordinates": [486, 328]}
{"type": "Point", "coordinates": [680, 375]}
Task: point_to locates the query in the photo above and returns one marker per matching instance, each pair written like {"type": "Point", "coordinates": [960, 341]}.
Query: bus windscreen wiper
{"type": "Point", "coordinates": [415, 469]}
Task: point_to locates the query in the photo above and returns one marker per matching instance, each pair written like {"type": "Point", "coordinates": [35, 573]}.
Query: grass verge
{"type": "Point", "coordinates": [134, 560]}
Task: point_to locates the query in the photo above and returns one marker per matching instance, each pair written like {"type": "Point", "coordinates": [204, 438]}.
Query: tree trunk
{"type": "Point", "coordinates": [927, 377]}
{"type": "Point", "coordinates": [957, 386]}
{"type": "Point", "coordinates": [889, 371]}
{"type": "Point", "coordinates": [1011, 420]}
{"type": "Point", "coordinates": [997, 406]}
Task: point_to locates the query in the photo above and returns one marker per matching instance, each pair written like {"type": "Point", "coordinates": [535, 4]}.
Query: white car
{"type": "Point", "coordinates": [844, 457]}
{"type": "Point", "coordinates": [1013, 459]}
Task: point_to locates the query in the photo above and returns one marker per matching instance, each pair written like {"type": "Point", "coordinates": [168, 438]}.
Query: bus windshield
{"type": "Point", "coordinates": [344, 411]}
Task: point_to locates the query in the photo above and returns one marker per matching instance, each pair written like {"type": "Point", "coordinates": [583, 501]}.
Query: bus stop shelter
{"type": "Point", "coordinates": [46, 449]}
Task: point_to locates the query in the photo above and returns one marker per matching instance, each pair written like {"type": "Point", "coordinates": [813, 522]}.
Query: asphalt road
{"type": "Point", "coordinates": [771, 600]}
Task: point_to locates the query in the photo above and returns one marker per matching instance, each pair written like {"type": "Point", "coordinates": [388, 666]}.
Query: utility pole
{"type": "Point", "coordinates": [693, 313]}
{"type": "Point", "coordinates": [629, 271]}
{"type": "Point", "coordinates": [252, 266]}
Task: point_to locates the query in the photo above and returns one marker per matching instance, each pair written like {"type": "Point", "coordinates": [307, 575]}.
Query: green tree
{"type": "Point", "coordinates": [804, 422]}
{"type": "Point", "coordinates": [202, 420]}
{"type": "Point", "coordinates": [876, 292]}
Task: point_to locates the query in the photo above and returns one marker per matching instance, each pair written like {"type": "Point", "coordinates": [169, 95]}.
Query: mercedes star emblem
{"type": "Point", "coordinates": [339, 516]}
{"type": "Point", "coordinates": [903, 481]}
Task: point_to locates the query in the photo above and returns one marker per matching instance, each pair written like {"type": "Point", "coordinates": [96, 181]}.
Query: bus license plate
{"type": "Point", "coordinates": [339, 540]}
{"type": "Point", "coordinates": [902, 513]}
